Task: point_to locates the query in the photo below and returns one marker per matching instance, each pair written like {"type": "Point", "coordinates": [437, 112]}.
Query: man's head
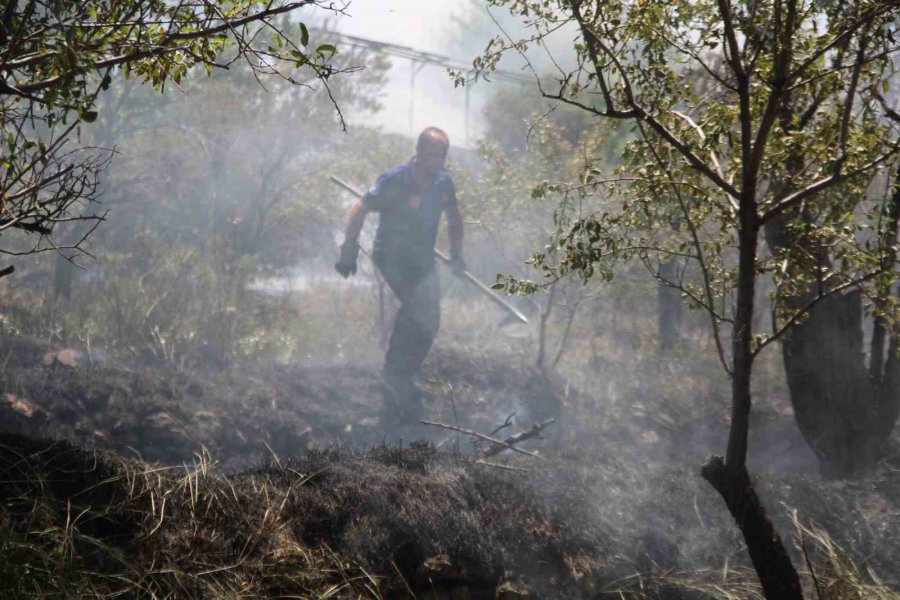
{"type": "Point", "coordinates": [431, 150]}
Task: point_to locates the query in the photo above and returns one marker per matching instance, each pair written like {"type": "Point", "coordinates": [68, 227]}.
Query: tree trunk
{"type": "Point", "coordinates": [729, 477]}
{"type": "Point", "coordinates": [671, 307]}
{"type": "Point", "coordinates": [845, 411]}
{"type": "Point", "coordinates": [770, 559]}
{"type": "Point", "coordinates": [63, 277]}
{"type": "Point", "coordinates": [540, 361]}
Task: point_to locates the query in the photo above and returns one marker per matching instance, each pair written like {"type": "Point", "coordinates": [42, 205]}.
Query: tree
{"type": "Point", "coordinates": [846, 406]}
{"type": "Point", "coordinates": [751, 117]}
{"type": "Point", "coordinates": [214, 185]}
{"type": "Point", "coordinates": [510, 167]}
{"type": "Point", "coordinates": [58, 56]}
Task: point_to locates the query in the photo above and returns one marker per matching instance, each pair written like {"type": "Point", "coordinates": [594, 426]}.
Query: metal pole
{"type": "Point", "coordinates": [412, 94]}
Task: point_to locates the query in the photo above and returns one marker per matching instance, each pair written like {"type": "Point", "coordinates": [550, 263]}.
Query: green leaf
{"type": "Point", "coordinates": [331, 50]}
{"type": "Point", "coordinates": [304, 35]}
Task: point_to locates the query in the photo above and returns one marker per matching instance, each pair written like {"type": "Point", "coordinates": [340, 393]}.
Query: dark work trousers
{"type": "Point", "coordinates": [416, 323]}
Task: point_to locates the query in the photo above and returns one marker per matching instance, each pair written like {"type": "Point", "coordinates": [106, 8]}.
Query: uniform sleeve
{"type": "Point", "coordinates": [376, 196]}
{"type": "Point", "coordinates": [448, 195]}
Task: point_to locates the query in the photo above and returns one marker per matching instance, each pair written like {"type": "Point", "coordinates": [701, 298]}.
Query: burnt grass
{"type": "Point", "coordinates": [283, 482]}
{"type": "Point", "coordinates": [398, 520]}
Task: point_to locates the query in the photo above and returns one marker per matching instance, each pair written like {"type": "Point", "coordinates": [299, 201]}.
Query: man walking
{"type": "Point", "coordinates": [410, 199]}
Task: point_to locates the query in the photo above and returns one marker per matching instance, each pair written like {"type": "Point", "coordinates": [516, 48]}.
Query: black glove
{"type": "Point", "coordinates": [458, 265]}
{"type": "Point", "coordinates": [346, 264]}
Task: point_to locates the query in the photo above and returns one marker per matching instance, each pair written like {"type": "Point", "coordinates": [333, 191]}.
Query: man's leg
{"type": "Point", "coordinates": [415, 327]}
{"type": "Point", "coordinates": [416, 324]}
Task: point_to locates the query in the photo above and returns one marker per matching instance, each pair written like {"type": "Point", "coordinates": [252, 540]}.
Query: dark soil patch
{"type": "Point", "coordinates": [169, 417]}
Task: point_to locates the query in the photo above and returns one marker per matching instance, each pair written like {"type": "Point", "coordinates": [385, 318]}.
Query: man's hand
{"type": "Point", "coordinates": [458, 265]}
{"type": "Point", "coordinates": [346, 264]}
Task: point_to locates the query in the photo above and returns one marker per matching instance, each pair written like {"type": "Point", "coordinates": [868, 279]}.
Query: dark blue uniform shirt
{"type": "Point", "coordinates": [409, 216]}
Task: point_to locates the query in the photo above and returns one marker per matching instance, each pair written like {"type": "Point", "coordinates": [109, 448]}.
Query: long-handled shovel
{"type": "Point", "coordinates": [465, 275]}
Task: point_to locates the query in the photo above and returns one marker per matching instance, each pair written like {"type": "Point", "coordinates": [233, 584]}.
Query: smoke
{"type": "Point", "coordinates": [218, 254]}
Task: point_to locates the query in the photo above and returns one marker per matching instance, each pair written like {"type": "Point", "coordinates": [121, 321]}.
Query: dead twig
{"type": "Point", "coordinates": [504, 445]}
{"type": "Point", "coordinates": [507, 423]}
{"type": "Point", "coordinates": [512, 440]}
{"type": "Point", "coordinates": [403, 579]}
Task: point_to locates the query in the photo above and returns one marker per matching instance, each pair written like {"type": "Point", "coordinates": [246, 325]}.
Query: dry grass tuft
{"type": "Point", "coordinates": [335, 524]}
{"type": "Point", "coordinates": [90, 525]}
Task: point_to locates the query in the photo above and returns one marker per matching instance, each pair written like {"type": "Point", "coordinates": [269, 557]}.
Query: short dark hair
{"type": "Point", "coordinates": [429, 134]}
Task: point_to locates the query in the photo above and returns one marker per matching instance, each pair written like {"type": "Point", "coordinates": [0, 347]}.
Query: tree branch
{"type": "Point", "coordinates": [163, 48]}
{"type": "Point", "coordinates": [778, 206]}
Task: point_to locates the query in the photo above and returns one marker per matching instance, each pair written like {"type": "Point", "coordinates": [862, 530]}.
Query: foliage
{"type": "Point", "coordinates": [676, 193]}
{"type": "Point", "coordinates": [725, 154]}
{"type": "Point", "coordinates": [57, 59]}
{"type": "Point", "coordinates": [216, 185]}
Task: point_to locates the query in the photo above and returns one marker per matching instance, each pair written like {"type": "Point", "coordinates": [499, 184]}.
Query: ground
{"type": "Point", "coordinates": [284, 481]}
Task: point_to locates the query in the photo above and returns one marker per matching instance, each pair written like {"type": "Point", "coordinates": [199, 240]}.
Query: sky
{"type": "Point", "coordinates": [423, 25]}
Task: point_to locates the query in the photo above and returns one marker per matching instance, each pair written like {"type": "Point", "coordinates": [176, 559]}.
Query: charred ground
{"type": "Point", "coordinates": [282, 481]}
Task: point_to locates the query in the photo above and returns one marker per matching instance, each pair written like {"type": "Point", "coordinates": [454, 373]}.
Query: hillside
{"type": "Point", "coordinates": [282, 483]}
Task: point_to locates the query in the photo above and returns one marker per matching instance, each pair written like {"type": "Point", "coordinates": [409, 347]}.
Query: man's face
{"type": "Point", "coordinates": [431, 156]}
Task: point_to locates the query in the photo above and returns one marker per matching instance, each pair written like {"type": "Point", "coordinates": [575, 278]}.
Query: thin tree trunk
{"type": "Point", "coordinates": [670, 307]}
{"type": "Point", "coordinates": [729, 477]}
{"type": "Point", "coordinates": [542, 331]}
{"type": "Point", "coordinates": [564, 342]}
{"type": "Point", "coordinates": [773, 564]}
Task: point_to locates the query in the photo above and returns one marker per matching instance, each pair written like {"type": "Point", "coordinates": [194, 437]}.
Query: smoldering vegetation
{"type": "Point", "coordinates": [614, 505]}
{"type": "Point", "coordinates": [196, 412]}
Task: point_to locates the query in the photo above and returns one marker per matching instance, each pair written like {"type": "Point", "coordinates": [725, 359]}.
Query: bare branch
{"type": "Point", "coordinates": [779, 205]}
{"type": "Point", "coordinates": [487, 438]}
{"type": "Point", "coordinates": [803, 311]}
{"type": "Point", "coordinates": [863, 20]}
{"type": "Point", "coordinates": [707, 302]}
{"type": "Point", "coordinates": [518, 438]}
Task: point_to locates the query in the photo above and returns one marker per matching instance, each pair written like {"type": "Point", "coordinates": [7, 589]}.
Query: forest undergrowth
{"type": "Point", "coordinates": [281, 479]}
{"type": "Point", "coordinates": [612, 506]}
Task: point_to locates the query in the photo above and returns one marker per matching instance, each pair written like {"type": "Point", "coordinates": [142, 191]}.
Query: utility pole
{"type": "Point", "coordinates": [419, 59]}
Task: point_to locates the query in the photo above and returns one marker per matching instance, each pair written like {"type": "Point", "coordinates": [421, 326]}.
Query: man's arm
{"type": "Point", "coordinates": [346, 264]}
{"type": "Point", "coordinates": [355, 223]}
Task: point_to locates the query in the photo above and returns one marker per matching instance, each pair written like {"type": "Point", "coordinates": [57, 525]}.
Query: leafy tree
{"type": "Point", "coordinates": [215, 184]}
{"type": "Point", "coordinates": [521, 150]}
{"type": "Point", "coordinates": [58, 56]}
{"type": "Point", "coordinates": [753, 119]}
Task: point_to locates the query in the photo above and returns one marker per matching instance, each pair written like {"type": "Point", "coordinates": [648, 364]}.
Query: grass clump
{"type": "Point", "coordinates": [830, 573]}
{"type": "Point", "coordinates": [390, 523]}
{"type": "Point", "coordinates": [90, 525]}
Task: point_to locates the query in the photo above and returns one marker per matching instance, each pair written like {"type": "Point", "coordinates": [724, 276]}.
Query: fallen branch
{"type": "Point", "coordinates": [487, 438]}
{"type": "Point", "coordinates": [512, 440]}
{"type": "Point", "coordinates": [502, 467]}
